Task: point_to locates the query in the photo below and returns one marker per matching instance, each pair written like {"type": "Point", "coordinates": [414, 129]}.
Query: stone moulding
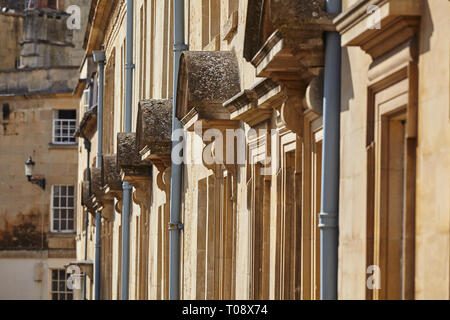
{"type": "Point", "coordinates": [206, 80]}
{"type": "Point", "coordinates": [284, 40]}
{"type": "Point", "coordinates": [394, 22]}
{"type": "Point", "coordinates": [392, 88]}
{"type": "Point", "coordinates": [295, 20]}
{"type": "Point", "coordinates": [249, 106]}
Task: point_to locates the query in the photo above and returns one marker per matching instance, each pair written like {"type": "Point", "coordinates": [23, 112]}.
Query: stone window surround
{"type": "Point", "coordinates": [392, 89]}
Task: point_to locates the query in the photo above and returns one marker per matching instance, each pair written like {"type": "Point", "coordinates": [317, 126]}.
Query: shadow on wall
{"type": "Point", "coordinates": [347, 90]}
{"type": "Point", "coordinates": [427, 32]}
{"type": "Point", "coordinates": [24, 234]}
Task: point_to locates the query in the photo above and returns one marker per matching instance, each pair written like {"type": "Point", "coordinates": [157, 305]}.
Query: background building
{"type": "Point", "coordinates": [41, 56]}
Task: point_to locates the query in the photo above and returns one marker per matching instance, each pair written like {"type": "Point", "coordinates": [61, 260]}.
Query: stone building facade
{"type": "Point", "coordinates": [40, 58]}
{"type": "Point", "coordinates": [250, 225]}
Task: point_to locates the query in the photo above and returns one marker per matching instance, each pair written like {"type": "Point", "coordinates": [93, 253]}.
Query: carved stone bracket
{"type": "Point", "coordinates": [134, 170]}
{"type": "Point", "coordinates": [86, 199]}
{"type": "Point", "coordinates": [129, 158]}
{"type": "Point", "coordinates": [216, 153]}
{"type": "Point", "coordinates": [112, 180]}
{"type": "Point", "coordinates": [206, 80]}
{"type": "Point", "coordinates": [141, 195]}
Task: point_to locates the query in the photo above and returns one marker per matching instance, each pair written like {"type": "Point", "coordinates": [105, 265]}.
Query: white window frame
{"type": "Point", "coordinates": [87, 99]}
{"type": "Point", "coordinates": [71, 128]}
{"type": "Point", "coordinates": [66, 291]}
{"type": "Point", "coordinates": [53, 208]}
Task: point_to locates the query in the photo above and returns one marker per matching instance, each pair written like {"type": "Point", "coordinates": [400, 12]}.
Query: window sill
{"type": "Point", "coordinates": [63, 146]}
{"type": "Point", "coordinates": [62, 234]}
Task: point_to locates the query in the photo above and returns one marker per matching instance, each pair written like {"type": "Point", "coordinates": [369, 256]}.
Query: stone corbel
{"type": "Point", "coordinates": [112, 180]}
{"type": "Point", "coordinates": [86, 199]}
{"type": "Point", "coordinates": [129, 159]}
{"type": "Point", "coordinates": [134, 170]}
{"type": "Point", "coordinates": [141, 196]}
{"type": "Point", "coordinates": [292, 110]}
{"type": "Point", "coordinates": [210, 149]}
{"type": "Point", "coordinates": [163, 179]}
{"type": "Point", "coordinates": [153, 138]}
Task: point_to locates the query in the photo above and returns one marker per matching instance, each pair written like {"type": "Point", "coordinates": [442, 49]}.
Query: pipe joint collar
{"type": "Point", "coordinates": [328, 220]}
{"type": "Point", "coordinates": [126, 186]}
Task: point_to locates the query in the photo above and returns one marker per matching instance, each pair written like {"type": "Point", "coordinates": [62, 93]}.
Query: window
{"type": "Point", "coordinates": [59, 290]}
{"type": "Point", "coordinates": [86, 99]}
{"type": "Point", "coordinates": [63, 209]}
{"type": "Point", "coordinates": [6, 111]}
{"type": "Point", "coordinates": [64, 127]}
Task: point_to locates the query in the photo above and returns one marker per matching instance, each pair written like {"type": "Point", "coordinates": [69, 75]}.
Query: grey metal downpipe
{"type": "Point", "coordinates": [126, 209]}
{"type": "Point", "coordinates": [87, 146]}
{"type": "Point", "coordinates": [99, 58]}
{"type": "Point", "coordinates": [329, 215]}
{"type": "Point", "coordinates": [175, 225]}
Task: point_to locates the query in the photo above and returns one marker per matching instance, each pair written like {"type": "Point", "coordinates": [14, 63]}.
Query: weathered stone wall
{"type": "Point", "coordinates": [289, 215]}
{"type": "Point", "coordinates": [28, 132]}
{"type": "Point", "coordinates": [11, 35]}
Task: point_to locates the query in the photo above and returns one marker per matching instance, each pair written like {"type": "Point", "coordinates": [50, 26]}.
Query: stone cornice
{"type": "Point", "coordinates": [392, 23]}
{"type": "Point", "coordinates": [246, 106]}
{"type": "Point", "coordinates": [100, 14]}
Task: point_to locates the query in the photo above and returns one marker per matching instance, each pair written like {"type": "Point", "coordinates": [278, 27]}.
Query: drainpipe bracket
{"type": "Point", "coordinates": [130, 66]}
{"type": "Point", "coordinates": [328, 220]}
{"type": "Point", "coordinates": [176, 226]}
{"type": "Point", "coordinates": [180, 47]}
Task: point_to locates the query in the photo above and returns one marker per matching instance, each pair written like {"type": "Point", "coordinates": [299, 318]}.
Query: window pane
{"type": "Point", "coordinates": [70, 190]}
{"type": "Point", "coordinates": [70, 203]}
{"type": "Point", "coordinates": [55, 202]}
{"type": "Point", "coordinates": [54, 285]}
{"type": "Point", "coordinates": [62, 286]}
{"type": "Point", "coordinates": [70, 296]}
{"type": "Point", "coordinates": [63, 190]}
{"type": "Point", "coordinates": [63, 202]}
{"type": "Point", "coordinates": [54, 296]}
{"type": "Point", "coordinates": [56, 225]}
{"type": "Point", "coordinates": [56, 191]}
{"type": "Point", "coordinates": [70, 225]}
{"type": "Point", "coordinates": [70, 213]}
{"type": "Point", "coordinates": [63, 225]}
